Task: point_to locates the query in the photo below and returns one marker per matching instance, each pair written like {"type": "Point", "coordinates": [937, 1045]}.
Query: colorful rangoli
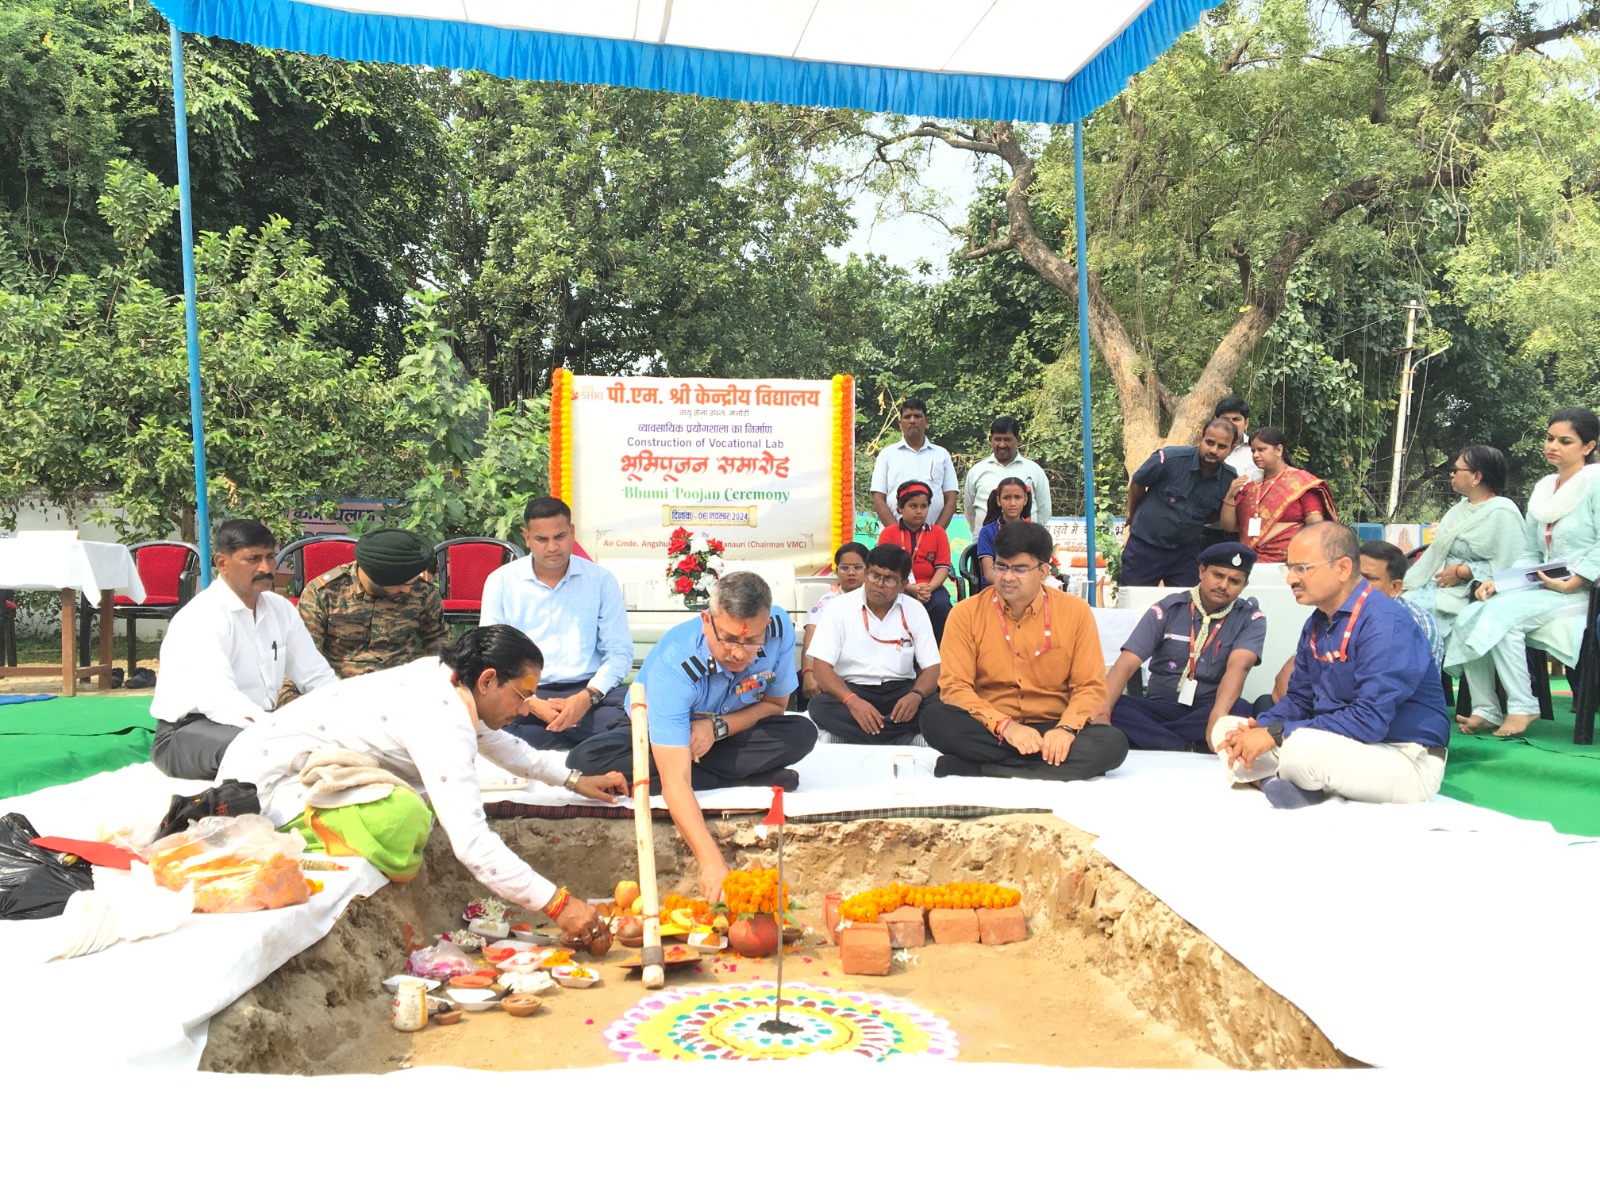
{"type": "Point", "coordinates": [724, 1021]}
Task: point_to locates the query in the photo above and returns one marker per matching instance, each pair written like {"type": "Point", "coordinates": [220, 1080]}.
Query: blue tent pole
{"type": "Point", "coordinates": [180, 121]}
{"type": "Point", "coordinates": [1083, 350]}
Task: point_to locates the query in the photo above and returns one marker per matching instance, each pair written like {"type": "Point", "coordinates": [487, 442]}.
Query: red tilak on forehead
{"type": "Point", "coordinates": [744, 629]}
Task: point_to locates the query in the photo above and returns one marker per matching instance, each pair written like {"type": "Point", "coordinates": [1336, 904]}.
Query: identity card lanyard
{"type": "Point", "coordinates": [1344, 643]}
{"type": "Point", "coordinates": [1006, 629]}
{"type": "Point", "coordinates": [906, 641]}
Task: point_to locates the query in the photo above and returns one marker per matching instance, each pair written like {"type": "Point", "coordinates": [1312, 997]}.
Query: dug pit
{"type": "Point", "coordinates": [1109, 976]}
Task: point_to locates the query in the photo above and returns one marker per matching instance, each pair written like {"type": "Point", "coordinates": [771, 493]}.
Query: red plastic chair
{"type": "Point", "coordinates": [314, 555]}
{"type": "Point", "coordinates": [168, 571]}
{"type": "Point", "coordinates": [465, 565]}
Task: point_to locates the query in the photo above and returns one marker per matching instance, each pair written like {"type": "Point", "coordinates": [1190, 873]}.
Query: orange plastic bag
{"type": "Point", "coordinates": [237, 864]}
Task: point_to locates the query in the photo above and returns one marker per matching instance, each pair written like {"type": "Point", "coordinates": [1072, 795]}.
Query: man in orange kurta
{"type": "Point", "coordinates": [1021, 676]}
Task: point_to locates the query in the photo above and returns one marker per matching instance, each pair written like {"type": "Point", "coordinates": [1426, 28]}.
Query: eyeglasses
{"type": "Point", "coordinates": [883, 580]}
{"type": "Point", "coordinates": [521, 695]}
{"type": "Point", "coordinates": [848, 569]}
{"type": "Point", "coordinates": [1303, 569]}
{"type": "Point", "coordinates": [1016, 569]}
{"type": "Point", "coordinates": [1468, 470]}
{"type": "Point", "coordinates": [735, 643]}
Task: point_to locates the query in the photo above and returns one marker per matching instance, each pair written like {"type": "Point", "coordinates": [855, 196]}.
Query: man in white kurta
{"type": "Point", "coordinates": [412, 723]}
{"type": "Point", "coordinates": [226, 654]}
{"type": "Point", "coordinates": [1007, 460]}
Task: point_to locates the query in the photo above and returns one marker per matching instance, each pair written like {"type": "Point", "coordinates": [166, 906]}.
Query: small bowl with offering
{"type": "Point", "coordinates": [537, 937]}
{"type": "Point", "coordinates": [492, 930]}
{"type": "Point", "coordinates": [473, 999]}
{"type": "Point", "coordinates": [575, 977]}
{"type": "Point", "coordinates": [521, 1004]}
{"type": "Point", "coordinates": [708, 941]}
{"type": "Point", "coordinates": [447, 1015]}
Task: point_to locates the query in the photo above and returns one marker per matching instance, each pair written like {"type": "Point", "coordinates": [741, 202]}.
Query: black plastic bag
{"type": "Point", "coordinates": [35, 882]}
{"type": "Point", "coordinates": [230, 798]}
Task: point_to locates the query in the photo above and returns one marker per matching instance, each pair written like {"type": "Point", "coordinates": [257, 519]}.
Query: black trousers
{"type": "Point", "coordinates": [957, 734]}
{"type": "Point", "coordinates": [1144, 565]}
{"type": "Point", "coordinates": [608, 714]}
{"type": "Point", "coordinates": [833, 716]}
{"type": "Point", "coordinates": [191, 747]}
{"type": "Point", "coordinates": [769, 745]}
{"type": "Point", "coordinates": [1164, 724]}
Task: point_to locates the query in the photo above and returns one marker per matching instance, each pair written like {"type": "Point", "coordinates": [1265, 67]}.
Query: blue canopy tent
{"type": "Point", "coordinates": [1052, 61]}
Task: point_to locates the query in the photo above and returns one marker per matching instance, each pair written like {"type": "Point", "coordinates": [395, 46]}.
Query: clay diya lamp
{"type": "Point", "coordinates": [521, 1004]}
{"type": "Point", "coordinates": [448, 1016]}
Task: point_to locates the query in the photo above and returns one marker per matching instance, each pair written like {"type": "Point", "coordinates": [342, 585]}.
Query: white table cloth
{"type": "Point", "coordinates": [50, 560]}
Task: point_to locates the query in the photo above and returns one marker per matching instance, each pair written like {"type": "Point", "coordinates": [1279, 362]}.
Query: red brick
{"type": "Point", "coordinates": [830, 916]}
{"type": "Point", "coordinates": [865, 950]}
{"type": "Point", "coordinates": [953, 924]}
{"type": "Point", "coordinates": [907, 927]}
{"type": "Point", "coordinates": [997, 926]}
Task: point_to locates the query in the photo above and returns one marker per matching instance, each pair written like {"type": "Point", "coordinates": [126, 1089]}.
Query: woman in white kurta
{"type": "Point", "coordinates": [426, 723]}
{"type": "Point", "coordinates": [1480, 535]}
{"type": "Point", "coordinates": [1563, 523]}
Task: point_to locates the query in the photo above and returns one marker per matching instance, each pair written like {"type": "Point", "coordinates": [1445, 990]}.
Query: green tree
{"type": "Point", "coordinates": [1269, 139]}
{"type": "Point", "coordinates": [94, 381]}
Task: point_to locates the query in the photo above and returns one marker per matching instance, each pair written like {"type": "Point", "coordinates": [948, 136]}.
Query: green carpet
{"type": "Point", "coordinates": [1541, 776]}
{"type": "Point", "coordinates": [70, 738]}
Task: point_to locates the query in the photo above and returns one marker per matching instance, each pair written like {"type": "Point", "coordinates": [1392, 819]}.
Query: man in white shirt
{"type": "Point", "coordinates": [226, 655]}
{"type": "Point", "coordinates": [1237, 413]}
{"type": "Point", "coordinates": [876, 659]}
{"type": "Point", "coordinates": [1005, 440]}
{"type": "Point", "coordinates": [914, 457]}
{"type": "Point", "coordinates": [574, 612]}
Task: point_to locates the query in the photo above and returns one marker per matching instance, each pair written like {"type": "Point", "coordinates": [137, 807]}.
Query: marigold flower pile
{"type": "Point", "coordinates": [672, 902]}
{"type": "Point", "coordinates": [867, 906]}
{"type": "Point", "coordinates": [754, 892]}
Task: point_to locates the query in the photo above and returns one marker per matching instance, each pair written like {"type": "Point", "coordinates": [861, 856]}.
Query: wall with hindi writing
{"type": "Point", "coordinates": [749, 461]}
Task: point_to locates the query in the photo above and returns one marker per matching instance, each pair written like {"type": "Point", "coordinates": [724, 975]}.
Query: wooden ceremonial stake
{"type": "Point", "coordinates": [776, 820]}
{"type": "Point", "coordinates": [655, 972]}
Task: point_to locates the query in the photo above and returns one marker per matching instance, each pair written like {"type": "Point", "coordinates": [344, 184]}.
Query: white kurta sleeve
{"type": "Point", "coordinates": [447, 767]}
{"type": "Point", "coordinates": [516, 756]}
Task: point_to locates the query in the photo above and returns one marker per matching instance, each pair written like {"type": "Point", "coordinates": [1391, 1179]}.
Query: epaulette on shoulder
{"type": "Point", "coordinates": [694, 668]}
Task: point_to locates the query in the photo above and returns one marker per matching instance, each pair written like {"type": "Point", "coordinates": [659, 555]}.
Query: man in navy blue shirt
{"type": "Point", "coordinates": [1364, 716]}
{"type": "Point", "coordinates": [1170, 499]}
{"type": "Point", "coordinates": [717, 687]}
{"type": "Point", "coordinates": [1201, 644]}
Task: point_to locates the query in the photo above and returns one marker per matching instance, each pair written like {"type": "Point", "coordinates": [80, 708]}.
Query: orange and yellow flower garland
{"type": "Point", "coordinates": [843, 458]}
{"type": "Point", "coordinates": [867, 906]}
{"type": "Point", "coordinates": [750, 892]}
{"type": "Point", "coordinates": [561, 434]}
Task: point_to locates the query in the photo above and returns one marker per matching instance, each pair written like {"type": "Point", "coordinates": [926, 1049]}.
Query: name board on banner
{"type": "Point", "coordinates": [764, 465]}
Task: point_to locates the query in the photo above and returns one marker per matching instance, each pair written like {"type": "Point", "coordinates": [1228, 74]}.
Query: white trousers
{"type": "Point", "coordinates": [1381, 773]}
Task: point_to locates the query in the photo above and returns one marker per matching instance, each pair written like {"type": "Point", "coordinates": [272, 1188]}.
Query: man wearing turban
{"type": "Point", "coordinates": [377, 612]}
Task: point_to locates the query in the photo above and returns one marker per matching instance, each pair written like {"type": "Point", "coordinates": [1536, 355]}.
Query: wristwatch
{"type": "Point", "coordinates": [1276, 730]}
{"type": "Point", "coordinates": [719, 727]}
{"type": "Point", "coordinates": [1070, 729]}
{"type": "Point", "coordinates": [595, 694]}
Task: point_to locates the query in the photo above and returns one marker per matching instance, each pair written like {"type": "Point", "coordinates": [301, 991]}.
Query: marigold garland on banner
{"type": "Point", "coordinates": [746, 893]}
{"type": "Point", "coordinates": [561, 434]}
{"type": "Point", "coordinates": [867, 906]}
{"type": "Point", "coordinates": [843, 458]}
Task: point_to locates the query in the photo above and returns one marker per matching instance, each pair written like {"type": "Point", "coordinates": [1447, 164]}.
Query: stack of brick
{"type": "Point", "coordinates": [868, 949]}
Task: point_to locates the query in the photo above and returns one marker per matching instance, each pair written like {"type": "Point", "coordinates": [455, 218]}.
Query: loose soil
{"type": "Point", "coordinates": [1108, 977]}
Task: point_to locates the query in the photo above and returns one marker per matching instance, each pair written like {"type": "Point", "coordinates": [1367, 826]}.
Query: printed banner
{"type": "Point", "coordinates": [765, 465]}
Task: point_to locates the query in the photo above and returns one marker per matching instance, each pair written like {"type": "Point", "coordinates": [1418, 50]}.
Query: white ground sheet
{"type": "Point", "coordinates": [149, 1002]}
{"type": "Point", "coordinates": [1413, 936]}
{"type": "Point", "coordinates": [1473, 1131]}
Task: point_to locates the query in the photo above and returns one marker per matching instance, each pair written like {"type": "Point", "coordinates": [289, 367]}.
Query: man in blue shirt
{"type": "Point", "coordinates": [574, 612]}
{"type": "Point", "coordinates": [717, 688]}
{"type": "Point", "coordinates": [1200, 645]}
{"type": "Point", "coordinates": [1364, 716]}
{"type": "Point", "coordinates": [1170, 499]}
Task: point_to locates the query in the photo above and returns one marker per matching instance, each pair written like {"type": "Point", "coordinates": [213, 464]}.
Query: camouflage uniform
{"type": "Point", "coordinates": [358, 633]}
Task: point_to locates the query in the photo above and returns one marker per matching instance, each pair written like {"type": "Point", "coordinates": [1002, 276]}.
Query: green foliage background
{"type": "Point", "coordinates": [392, 261]}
